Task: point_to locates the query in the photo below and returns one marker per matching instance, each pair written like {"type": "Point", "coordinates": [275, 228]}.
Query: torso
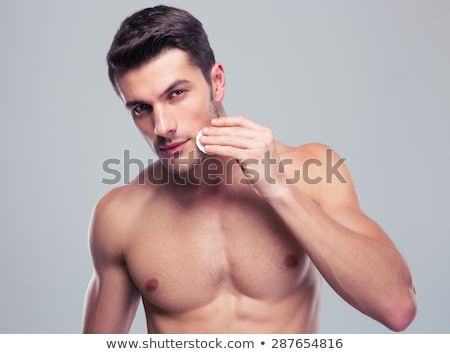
{"type": "Point", "coordinates": [221, 262]}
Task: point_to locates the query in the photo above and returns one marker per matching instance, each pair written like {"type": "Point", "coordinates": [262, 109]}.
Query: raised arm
{"type": "Point", "coordinates": [112, 298]}
{"type": "Point", "coordinates": [351, 251]}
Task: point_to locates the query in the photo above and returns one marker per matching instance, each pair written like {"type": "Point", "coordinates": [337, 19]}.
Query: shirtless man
{"type": "Point", "coordinates": [225, 241]}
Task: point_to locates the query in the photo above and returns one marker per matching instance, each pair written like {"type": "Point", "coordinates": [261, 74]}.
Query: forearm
{"type": "Point", "coordinates": [367, 271]}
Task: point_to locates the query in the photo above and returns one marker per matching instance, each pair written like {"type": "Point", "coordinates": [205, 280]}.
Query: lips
{"type": "Point", "coordinates": [170, 149]}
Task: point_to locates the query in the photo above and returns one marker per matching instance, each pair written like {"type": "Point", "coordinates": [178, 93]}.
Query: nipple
{"type": "Point", "coordinates": [151, 285]}
{"type": "Point", "coordinates": [200, 146]}
{"type": "Point", "coordinates": [291, 261]}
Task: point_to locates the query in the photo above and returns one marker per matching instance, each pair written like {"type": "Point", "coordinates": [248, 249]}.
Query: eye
{"type": "Point", "coordinates": [176, 93]}
{"type": "Point", "coordinates": [140, 109]}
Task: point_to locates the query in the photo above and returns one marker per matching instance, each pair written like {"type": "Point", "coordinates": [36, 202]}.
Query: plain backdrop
{"type": "Point", "coordinates": [369, 78]}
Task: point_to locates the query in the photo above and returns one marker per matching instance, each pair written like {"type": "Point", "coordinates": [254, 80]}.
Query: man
{"type": "Point", "coordinates": [234, 239]}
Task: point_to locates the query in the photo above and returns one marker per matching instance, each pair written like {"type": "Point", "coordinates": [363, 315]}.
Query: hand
{"type": "Point", "coordinates": [252, 145]}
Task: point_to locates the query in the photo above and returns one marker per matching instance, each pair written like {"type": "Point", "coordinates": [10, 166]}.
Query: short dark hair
{"type": "Point", "coordinates": [151, 31]}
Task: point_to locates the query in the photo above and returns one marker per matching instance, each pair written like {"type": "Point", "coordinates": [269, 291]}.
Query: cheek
{"type": "Point", "coordinates": [150, 141]}
{"type": "Point", "coordinates": [201, 108]}
{"type": "Point", "coordinates": [145, 127]}
{"type": "Point", "coordinates": [148, 133]}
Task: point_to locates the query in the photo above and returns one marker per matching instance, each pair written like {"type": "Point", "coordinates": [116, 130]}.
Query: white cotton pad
{"type": "Point", "coordinates": [200, 146]}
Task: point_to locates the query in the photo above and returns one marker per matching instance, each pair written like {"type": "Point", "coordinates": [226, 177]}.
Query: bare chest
{"type": "Point", "coordinates": [185, 259]}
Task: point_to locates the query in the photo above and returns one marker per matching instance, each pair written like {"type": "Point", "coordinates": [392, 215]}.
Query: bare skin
{"type": "Point", "coordinates": [219, 254]}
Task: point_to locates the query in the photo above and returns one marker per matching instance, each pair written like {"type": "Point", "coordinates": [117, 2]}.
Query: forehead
{"type": "Point", "coordinates": [154, 76]}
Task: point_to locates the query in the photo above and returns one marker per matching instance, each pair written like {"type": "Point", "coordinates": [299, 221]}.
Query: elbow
{"type": "Point", "coordinates": [402, 312]}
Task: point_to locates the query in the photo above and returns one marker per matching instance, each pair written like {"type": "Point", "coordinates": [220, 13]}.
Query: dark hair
{"type": "Point", "coordinates": [149, 32]}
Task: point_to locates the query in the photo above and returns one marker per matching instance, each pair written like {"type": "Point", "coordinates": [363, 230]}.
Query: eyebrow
{"type": "Point", "coordinates": [131, 104]}
{"type": "Point", "coordinates": [174, 85]}
{"type": "Point", "coordinates": [171, 87]}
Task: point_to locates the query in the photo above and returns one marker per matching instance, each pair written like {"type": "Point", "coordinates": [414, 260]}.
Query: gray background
{"type": "Point", "coordinates": [369, 78]}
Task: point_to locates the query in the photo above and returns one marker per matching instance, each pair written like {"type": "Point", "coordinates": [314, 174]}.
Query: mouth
{"type": "Point", "coordinates": [173, 148]}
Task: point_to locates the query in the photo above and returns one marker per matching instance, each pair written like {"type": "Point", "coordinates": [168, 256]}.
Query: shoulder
{"type": "Point", "coordinates": [314, 159]}
{"type": "Point", "coordinates": [119, 205]}
{"type": "Point", "coordinates": [112, 205]}
{"type": "Point", "coordinates": [122, 202]}
{"type": "Point", "coordinates": [305, 152]}
{"type": "Point", "coordinates": [319, 156]}
{"type": "Point", "coordinates": [320, 171]}
{"type": "Point", "coordinates": [114, 215]}
{"type": "Point", "coordinates": [122, 205]}
{"type": "Point", "coordinates": [105, 234]}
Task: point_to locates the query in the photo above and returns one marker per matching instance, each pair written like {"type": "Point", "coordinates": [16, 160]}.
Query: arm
{"type": "Point", "coordinates": [111, 299]}
{"type": "Point", "coordinates": [351, 251]}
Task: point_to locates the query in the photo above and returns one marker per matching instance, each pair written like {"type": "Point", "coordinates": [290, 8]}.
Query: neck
{"type": "Point", "coordinates": [220, 110]}
{"type": "Point", "coordinates": [212, 172]}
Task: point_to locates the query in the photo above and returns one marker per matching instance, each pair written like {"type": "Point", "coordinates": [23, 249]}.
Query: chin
{"type": "Point", "coordinates": [182, 165]}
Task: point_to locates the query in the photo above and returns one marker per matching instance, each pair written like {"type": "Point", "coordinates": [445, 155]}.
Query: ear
{"type": "Point", "coordinates": [218, 82]}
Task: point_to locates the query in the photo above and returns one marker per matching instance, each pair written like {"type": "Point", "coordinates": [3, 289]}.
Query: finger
{"type": "Point", "coordinates": [228, 151]}
{"type": "Point", "coordinates": [237, 141]}
{"type": "Point", "coordinates": [230, 131]}
{"type": "Point", "coordinates": [239, 121]}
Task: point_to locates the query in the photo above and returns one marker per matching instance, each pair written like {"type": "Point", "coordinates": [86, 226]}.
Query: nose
{"type": "Point", "coordinates": [165, 124]}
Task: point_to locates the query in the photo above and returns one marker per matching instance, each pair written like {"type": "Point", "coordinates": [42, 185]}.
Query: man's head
{"type": "Point", "coordinates": [161, 65]}
{"type": "Point", "coordinates": [150, 32]}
